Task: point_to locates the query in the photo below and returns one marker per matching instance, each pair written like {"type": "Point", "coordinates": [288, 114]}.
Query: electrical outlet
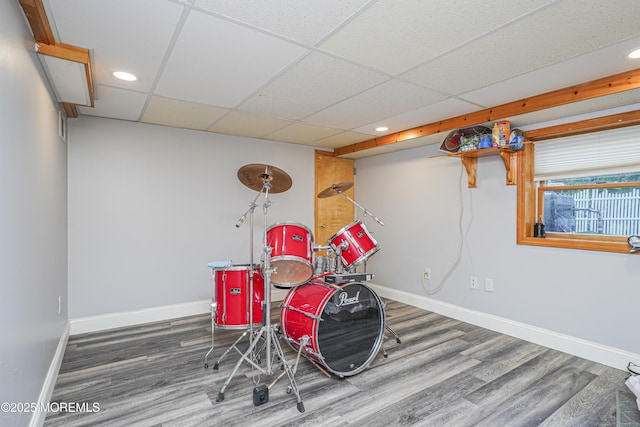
{"type": "Point", "coordinates": [427, 273]}
{"type": "Point", "coordinates": [488, 285]}
{"type": "Point", "coordinates": [474, 282]}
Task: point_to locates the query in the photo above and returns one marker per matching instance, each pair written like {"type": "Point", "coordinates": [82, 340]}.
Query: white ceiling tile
{"type": "Point", "coordinates": [306, 22]}
{"type": "Point", "coordinates": [226, 62]}
{"type": "Point", "coordinates": [301, 133]}
{"type": "Point", "coordinates": [422, 116]}
{"type": "Point", "coordinates": [245, 62]}
{"type": "Point", "coordinates": [395, 36]}
{"type": "Point", "coordinates": [116, 103]}
{"type": "Point", "coordinates": [314, 83]}
{"type": "Point", "coordinates": [120, 34]}
{"type": "Point", "coordinates": [367, 107]}
{"type": "Point", "coordinates": [181, 114]}
{"type": "Point", "coordinates": [561, 31]}
{"type": "Point", "coordinates": [245, 124]}
{"type": "Point", "coordinates": [583, 68]}
{"type": "Point", "coordinates": [341, 139]}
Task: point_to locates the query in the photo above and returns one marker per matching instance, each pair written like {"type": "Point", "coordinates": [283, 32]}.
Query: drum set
{"type": "Point", "coordinates": [329, 315]}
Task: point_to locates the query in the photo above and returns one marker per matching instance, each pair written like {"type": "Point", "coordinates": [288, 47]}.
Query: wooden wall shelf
{"type": "Point", "coordinates": [470, 161]}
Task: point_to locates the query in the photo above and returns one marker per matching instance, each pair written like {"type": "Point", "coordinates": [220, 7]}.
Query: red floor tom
{"type": "Point", "coordinates": [344, 324]}
{"type": "Point", "coordinates": [232, 299]}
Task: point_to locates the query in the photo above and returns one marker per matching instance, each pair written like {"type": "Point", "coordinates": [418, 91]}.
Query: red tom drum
{"type": "Point", "coordinates": [291, 253]}
{"type": "Point", "coordinates": [355, 242]}
{"type": "Point", "coordinates": [232, 299]}
{"type": "Point", "coordinates": [343, 326]}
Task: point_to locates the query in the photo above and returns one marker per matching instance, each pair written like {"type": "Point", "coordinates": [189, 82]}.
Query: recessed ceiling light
{"type": "Point", "coordinates": [123, 75]}
{"type": "Point", "coordinates": [635, 54]}
{"type": "Point", "coordinates": [382, 129]}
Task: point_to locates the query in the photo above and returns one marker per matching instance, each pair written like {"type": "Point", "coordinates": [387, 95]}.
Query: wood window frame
{"type": "Point", "coordinates": [528, 192]}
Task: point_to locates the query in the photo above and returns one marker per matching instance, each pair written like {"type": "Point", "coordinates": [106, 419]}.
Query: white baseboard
{"type": "Point", "coordinates": [155, 314]}
{"type": "Point", "coordinates": [37, 419]}
{"type": "Point", "coordinates": [589, 350]}
{"type": "Point", "coordinates": [599, 353]}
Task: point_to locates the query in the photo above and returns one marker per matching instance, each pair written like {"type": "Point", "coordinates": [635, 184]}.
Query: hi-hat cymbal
{"type": "Point", "coordinates": [255, 176]}
{"type": "Point", "coordinates": [335, 189]}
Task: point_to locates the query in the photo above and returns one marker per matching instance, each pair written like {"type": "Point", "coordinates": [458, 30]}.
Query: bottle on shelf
{"type": "Point", "coordinates": [495, 134]}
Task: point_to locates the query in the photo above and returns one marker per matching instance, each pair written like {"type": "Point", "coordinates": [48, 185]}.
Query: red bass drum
{"type": "Point", "coordinates": [344, 325]}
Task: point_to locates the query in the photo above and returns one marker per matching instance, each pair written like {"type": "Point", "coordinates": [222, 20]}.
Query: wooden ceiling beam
{"type": "Point", "coordinates": [37, 17]}
{"type": "Point", "coordinates": [613, 121]}
{"type": "Point", "coordinates": [45, 44]}
{"type": "Point", "coordinates": [581, 92]}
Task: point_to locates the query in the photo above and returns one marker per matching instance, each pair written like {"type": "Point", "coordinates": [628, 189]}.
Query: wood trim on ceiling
{"type": "Point", "coordinates": [70, 109]}
{"type": "Point", "coordinates": [613, 121]}
{"type": "Point", "coordinates": [605, 86]}
{"type": "Point", "coordinates": [37, 17]}
{"type": "Point", "coordinates": [38, 21]}
{"type": "Point", "coordinates": [70, 53]}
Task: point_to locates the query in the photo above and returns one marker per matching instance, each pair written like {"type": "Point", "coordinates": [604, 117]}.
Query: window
{"type": "Point", "coordinates": [584, 188]}
{"type": "Point", "coordinates": [607, 205]}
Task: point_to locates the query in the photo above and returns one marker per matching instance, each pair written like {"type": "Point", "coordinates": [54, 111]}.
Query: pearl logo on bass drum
{"type": "Point", "coordinates": [344, 299]}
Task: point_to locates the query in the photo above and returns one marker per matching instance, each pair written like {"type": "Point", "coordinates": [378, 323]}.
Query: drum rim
{"type": "Point", "coordinates": [343, 229]}
{"type": "Point", "coordinates": [298, 224]}
{"type": "Point", "coordinates": [376, 346]}
{"type": "Point", "coordinates": [238, 267]}
{"type": "Point", "coordinates": [290, 258]}
{"type": "Point", "coordinates": [363, 257]}
{"type": "Point", "coordinates": [238, 326]}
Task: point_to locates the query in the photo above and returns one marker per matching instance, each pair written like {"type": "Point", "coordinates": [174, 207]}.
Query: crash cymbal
{"type": "Point", "coordinates": [254, 176]}
{"type": "Point", "coordinates": [335, 189]}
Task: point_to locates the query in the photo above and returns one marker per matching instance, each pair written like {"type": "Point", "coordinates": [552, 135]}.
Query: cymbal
{"type": "Point", "coordinates": [335, 189]}
{"type": "Point", "coordinates": [255, 175]}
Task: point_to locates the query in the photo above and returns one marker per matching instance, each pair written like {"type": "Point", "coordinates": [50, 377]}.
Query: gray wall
{"type": "Point", "coordinates": [584, 294]}
{"type": "Point", "coordinates": [150, 206]}
{"type": "Point", "coordinates": [33, 219]}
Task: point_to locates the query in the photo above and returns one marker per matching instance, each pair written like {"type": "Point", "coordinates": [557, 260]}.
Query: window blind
{"type": "Point", "coordinates": [598, 153]}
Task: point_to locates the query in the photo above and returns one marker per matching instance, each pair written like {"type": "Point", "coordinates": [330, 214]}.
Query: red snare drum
{"type": "Point", "coordinates": [344, 326]}
{"type": "Point", "coordinates": [291, 253]}
{"type": "Point", "coordinates": [356, 243]}
{"type": "Point", "coordinates": [232, 288]}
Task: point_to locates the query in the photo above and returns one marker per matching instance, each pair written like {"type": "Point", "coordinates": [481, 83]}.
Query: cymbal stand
{"type": "Point", "coordinates": [365, 212]}
{"type": "Point", "coordinates": [267, 331]}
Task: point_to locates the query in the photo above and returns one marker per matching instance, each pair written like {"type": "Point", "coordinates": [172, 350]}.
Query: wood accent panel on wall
{"type": "Point", "coordinates": [332, 213]}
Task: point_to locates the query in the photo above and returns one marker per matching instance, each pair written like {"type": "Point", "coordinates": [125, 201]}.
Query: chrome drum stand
{"type": "Point", "coordinates": [268, 334]}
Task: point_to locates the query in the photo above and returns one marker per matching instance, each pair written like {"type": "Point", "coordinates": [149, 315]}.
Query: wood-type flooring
{"type": "Point", "coordinates": [443, 373]}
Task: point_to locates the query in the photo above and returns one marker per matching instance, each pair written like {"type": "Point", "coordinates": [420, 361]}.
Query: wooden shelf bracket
{"type": "Point", "coordinates": [470, 161]}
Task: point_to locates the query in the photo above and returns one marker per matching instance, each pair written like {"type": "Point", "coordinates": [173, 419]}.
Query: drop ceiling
{"type": "Point", "coordinates": [327, 73]}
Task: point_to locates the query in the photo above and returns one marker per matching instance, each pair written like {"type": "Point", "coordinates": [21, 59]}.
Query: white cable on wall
{"type": "Point", "coordinates": [460, 243]}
